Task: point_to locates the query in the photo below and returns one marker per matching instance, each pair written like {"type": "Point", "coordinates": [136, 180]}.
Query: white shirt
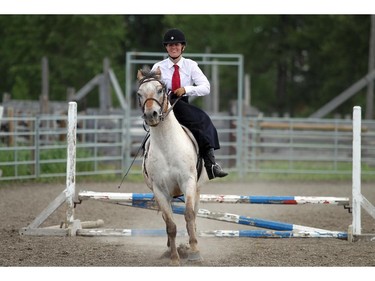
{"type": "Point", "coordinates": [192, 78]}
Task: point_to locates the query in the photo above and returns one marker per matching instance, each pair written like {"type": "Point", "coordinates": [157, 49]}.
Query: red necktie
{"type": "Point", "coordinates": [176, 83]}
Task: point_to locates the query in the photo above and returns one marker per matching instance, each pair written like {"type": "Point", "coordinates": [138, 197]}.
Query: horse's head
{"type": "Point", "coordinates": [152, 96]}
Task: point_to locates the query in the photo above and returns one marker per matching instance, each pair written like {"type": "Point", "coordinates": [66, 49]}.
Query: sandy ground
{"type": "Point", "coordinates": [22, 202]}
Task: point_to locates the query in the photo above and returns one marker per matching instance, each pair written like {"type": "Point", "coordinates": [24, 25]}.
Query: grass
{"type": "Point", "coordinates": [52, 161]}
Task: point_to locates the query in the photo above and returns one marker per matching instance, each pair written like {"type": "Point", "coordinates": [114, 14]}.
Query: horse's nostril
{"type": "Point", "coordinates": [155, 114]}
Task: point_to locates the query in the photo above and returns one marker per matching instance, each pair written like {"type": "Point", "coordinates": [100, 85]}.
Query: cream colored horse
{"type": "Point", "coordinates": [170, 161]}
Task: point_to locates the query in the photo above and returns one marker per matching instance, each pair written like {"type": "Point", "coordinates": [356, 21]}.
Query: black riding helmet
{"type": "Point", "coordinates": [174, 35]}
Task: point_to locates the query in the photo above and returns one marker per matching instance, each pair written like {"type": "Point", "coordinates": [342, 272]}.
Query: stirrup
{"type": "Point", "coordinates": [219, 171]}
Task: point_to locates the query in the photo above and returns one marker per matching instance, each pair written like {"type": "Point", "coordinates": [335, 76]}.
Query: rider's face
{"type": "Point", "coordinates": [174, 49]}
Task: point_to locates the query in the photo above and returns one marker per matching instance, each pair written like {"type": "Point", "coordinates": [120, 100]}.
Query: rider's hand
{"type": "Point", "coordinates": [179, 92]}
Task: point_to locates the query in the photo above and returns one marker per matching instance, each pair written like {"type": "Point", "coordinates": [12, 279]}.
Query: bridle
{"type": "Point", "coordinates": [166, 95]}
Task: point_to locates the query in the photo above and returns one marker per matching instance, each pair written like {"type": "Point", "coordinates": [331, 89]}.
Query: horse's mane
{"type": "Point", "coordinates": [149, 75]}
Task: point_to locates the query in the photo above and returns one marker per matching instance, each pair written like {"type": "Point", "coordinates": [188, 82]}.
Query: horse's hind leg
{"type": "Point", "coordinates": [190, 216]}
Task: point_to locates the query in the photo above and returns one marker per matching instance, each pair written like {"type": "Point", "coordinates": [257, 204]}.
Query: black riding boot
{"type": "Point", "coordinates": [213, 169]}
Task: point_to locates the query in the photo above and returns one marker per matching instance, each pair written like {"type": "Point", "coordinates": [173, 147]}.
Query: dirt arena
{"type": "Point", "coordinates": [21, 203]}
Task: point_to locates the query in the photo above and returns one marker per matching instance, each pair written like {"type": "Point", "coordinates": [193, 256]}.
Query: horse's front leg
{"type": "Point", "coordinates": [190, 216]}
{"type": "Point", "coordinates": [172, 233]}
{"type": "Point", "coordinates": [171, 227]}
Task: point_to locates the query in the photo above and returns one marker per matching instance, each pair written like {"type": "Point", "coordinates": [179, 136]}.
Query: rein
{"type": "Point", "coordinates": [171, 107]}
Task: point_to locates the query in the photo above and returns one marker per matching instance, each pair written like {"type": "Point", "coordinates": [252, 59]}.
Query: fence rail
{"type": "Point", "coordinates": [35, 147]}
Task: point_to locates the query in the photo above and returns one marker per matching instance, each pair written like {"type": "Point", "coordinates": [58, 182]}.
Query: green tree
{"type": "Point", "coordinates": [338, 56]}
{"type": "Point", "coordinates": [297, 62]}
{"type": "Point", "coordinates": [74, 45]}
{"type": "Point", "coordinates": [144, 33]}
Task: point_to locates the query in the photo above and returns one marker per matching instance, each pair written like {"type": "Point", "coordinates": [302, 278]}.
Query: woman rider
{"type": "Point", "coordinates": [190, 81]}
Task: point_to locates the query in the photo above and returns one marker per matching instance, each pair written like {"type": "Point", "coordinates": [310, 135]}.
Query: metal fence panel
{"type": "Point", "coordinates": [35, 147]}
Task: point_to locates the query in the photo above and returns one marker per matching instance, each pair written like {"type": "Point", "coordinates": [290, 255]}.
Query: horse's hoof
{"type": "Point", "coordinates": [195, 257]}
{"type": "Point", "coordinates": [174, 263]}
{"type": "Point", "coordinates": [183, 251]}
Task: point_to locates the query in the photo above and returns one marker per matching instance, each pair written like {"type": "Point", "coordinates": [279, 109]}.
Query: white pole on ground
{"type": "Point", "coordinates": [71, 163]}
{"type": "Point", "coordinates": [356, 171]}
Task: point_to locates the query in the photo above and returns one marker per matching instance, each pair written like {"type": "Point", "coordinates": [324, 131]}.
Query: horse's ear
{"type": "Point", "coordinates": [139, 75]}
{"type": "Point", "coordinates": [158, 72]}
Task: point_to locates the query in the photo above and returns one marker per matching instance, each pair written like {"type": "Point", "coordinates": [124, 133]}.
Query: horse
{"type": "Point", "coordinates": [170, 161]}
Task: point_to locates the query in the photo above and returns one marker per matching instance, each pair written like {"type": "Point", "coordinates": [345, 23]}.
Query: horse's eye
{"type": "Point", "coordinates": [160, 91]}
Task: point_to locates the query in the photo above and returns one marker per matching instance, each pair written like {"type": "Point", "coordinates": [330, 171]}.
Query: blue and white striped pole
{"type": "Point", "coordinates": [210, 233]}
{"type": "Point", "coordinates": [216, 198]}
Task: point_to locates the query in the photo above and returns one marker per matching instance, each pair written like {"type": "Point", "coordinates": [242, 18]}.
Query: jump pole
{"type": "Point", "coordinates": [206, 233]}
{"type": "Point", "coordinates": [71, 169]}
{"type": "Point", "coordinates": [356, 171]}
{"type": "Point", "coordinates": [358, 200]}
{"type": "Point", "coordinates": [116, 197]}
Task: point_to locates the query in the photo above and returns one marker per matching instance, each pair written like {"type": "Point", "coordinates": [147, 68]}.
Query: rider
{"type": "Point", "coordinates": [192, 82]}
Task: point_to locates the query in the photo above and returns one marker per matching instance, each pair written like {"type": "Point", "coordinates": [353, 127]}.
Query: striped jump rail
{"type": "Point", "coordinates": [243, 220]}
{"type": "Point", "coordinates": [210, 233]}
{"type": "Point", "coordinates": [116, 197]}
